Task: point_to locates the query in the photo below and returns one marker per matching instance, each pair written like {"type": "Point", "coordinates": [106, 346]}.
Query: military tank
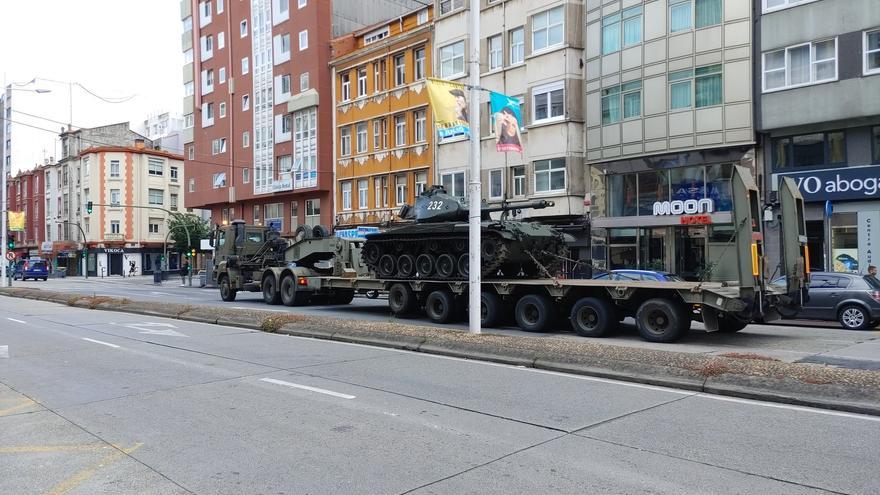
{"type": "Point", "coordinates": [433, 243]}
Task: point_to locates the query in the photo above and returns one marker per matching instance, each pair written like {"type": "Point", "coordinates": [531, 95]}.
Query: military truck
{"type": "Point", "coordinates": [321, 267]}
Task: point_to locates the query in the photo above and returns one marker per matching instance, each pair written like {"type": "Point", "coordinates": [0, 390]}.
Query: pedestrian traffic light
{"type": "Point", "coordinates": [89, 207]}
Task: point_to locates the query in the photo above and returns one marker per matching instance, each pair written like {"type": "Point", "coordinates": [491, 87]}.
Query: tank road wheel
{"type": "Point", "coordinates": [406, 265]}
{"type": "Point", "coordinates": [445, 266]}
{"type": "Point", "coordinates": [593, 317]}
{"type": "Point", "coordinates": [271, 294]}
{"type": "Point", "coordinates": [371, 253]}
{"type": "Point", "coordinates": [488, 249]}
{"type": "Point", "coordinates": [440, 306]}
{"type": "Point", "coordinates": [533, 313]}
{"type": "Point", "coordinates": [227, 293]}
{"type": "Point", "coordinates": [425, 265]}
{"type": "Point", "coordinates": [386, 266]}
{"type": "Point", "coordinates": [402, 299]}
{"type": "Point", "coordinates": [433, 246]}
{"type": "Point", "coordinates": [460, 245]}
{"type": "Point", "coordinates": [491, 309]}
{"type": "Point", "coordinates": [464, 263]}
{"type": "Point", "coordinates": [661, 320]}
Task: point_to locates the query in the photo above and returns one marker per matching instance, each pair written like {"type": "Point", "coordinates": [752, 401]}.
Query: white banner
{"type": "Point", "coordinates": [869, 239]}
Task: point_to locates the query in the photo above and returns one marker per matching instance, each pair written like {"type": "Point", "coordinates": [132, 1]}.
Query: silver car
{"type": "Point", "coordinates": [853, 300]}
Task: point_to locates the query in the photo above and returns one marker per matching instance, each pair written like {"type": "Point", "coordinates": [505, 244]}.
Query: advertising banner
{"type": "Point", "coordinates": [508, 121]}
{"type": "Point", "coordinates": [449, 105]}
{"type": "Point", "coordinates": [16, 221]}
{"type": "Point", "coordinates": [869, 239]}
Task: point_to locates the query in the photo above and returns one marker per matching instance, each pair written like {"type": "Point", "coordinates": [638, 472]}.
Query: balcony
{"type": "Point", "coordinates": [111, 236]}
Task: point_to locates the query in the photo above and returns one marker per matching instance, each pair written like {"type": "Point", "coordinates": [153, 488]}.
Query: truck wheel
{"type": "Point", "coordinates": [445, 266]}
{"type": "Point", "coordinates": [730, 324]}
{"type": "Point", "coordinates": [491, 309]}
{"type": "Point", "coordinates": [593, 317]}
{"type": "Point", "coordinates": [227, 293]}
{"type": "Point", "coordinates": [289, 296]}
{"type": "Point", "coordinates": [320, 232]}
{"type": "Point", "coordinates": [440, 306]}
{"type": "Point", "coordinates": [402, 299]}
{"type": "Point", "coordinates": [661, 320]}
{"type": "Point", "coordinates": [387, 266]}
{"type": "Point", "coordinates": [533, 313]}
{"type": "Point", "coordinates": [271, 294]}
{"type": "Point", "coordinates": [406, 265]}
{"type": "Point", "coordinates": [464, 263]}
{"type": "Point", "coordinates": [342, 296]}
{"type": "Point", "coordinates": [853, 318]}
{"type": "Point", "coordinates": [425, 265]}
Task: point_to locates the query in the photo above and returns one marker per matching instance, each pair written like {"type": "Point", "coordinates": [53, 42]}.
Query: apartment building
{"type": "Point", "coordinates": [668, 98]}
{"type": "Point", "coordinates": [384, 143]}
{"type": "Point", "coordinates": [258, 106]}
{"type": "Point", "coordinates": [818, 118]}
{"type": "Point", "coordinates": [530, 49]}
{"type": "Point", "coordinates": [25, 194]}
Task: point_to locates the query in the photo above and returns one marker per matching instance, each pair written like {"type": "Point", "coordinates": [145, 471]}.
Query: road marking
{"type": "Point", "coordinates": [833, 341]}
{"type": "Point", "coordinates": [306, 387]}
{"type": "Point", "coordinates": [149, 330]}
{"type": "Point", "coordinates": [17, 321]}
{"type": "Point", "coordinates": [160, 293]}
{"type": "Point", "coordinates": [4, 351]}
{"type": "Point", "coordinates": [788, 407]}
{"type": "Point", "coordinates": [77, 479]}
{"type": "Point", "coordinates": [102, 343]}
{"type": "Point", "coordinates": [27, 449]}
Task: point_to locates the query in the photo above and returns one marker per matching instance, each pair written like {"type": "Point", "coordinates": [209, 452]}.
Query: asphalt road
{"type": "Point", "coordinates": [813, 342]}
{"type": "Point", "coordinates": [95, 402]}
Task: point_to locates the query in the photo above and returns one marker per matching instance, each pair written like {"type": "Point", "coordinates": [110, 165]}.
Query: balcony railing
{"type": "Point", "coordinates": [112, 236]}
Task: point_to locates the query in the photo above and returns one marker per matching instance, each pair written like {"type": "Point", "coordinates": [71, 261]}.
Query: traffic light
{"type": "Point", "coordinates": [10, 241]}
{"type": "Point", "coordinates": [192, 253]}
{"type": "Point", "coordinates": [89, 207]}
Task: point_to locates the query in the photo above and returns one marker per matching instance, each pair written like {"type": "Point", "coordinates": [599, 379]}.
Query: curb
{"type": "Point", "coordinates": [779, 390]}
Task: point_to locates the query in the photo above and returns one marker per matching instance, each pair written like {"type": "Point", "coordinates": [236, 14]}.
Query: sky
{"type": "Point", "coordinates": [115, 48]}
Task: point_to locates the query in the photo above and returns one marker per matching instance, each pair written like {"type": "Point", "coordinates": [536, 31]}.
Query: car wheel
{"type": "Point", "coordinates": [853, 318]}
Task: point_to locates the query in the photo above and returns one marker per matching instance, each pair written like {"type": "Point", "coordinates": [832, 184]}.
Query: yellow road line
{"type": "Point", "coordinates": [27, 449]}
{"type": "Point", "coordinates": [9, 410]}
{"type": "Point", "coordinates": [75, 480]}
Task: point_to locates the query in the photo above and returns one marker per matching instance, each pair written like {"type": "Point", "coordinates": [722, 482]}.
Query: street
{"type": "Point", "coordinates": [99, 402]}
{"type": "Point", "coordinates": [812, 342]}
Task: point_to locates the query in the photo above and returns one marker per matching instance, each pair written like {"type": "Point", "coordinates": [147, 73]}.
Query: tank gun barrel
{"type": "Point", "coordinates": [536, 204]}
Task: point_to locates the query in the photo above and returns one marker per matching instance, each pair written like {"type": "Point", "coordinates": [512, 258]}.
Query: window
{"type": "Point", "coordinates": [452, 60]}
{"type": "Point", "coordinates": [362, 137]}
{"type": "Point", "coordinates": [626, 96]}
{"type": "Point", "coordinates": [517, 46]}
{"type": "Point", "coordinates": [174, 174]}
{"type": "Point", "coordinates": [399, 130]}
{"type": "Point", "coordinates": [384, 123]}
{"type": "Point", "coordinates": [707, 87]}
{"type": "Point", "coordinates": [419, 56]}
{"type": "Point", "coordinates": [496, 191]}
{"type": "Point", "coordinates": [245, 66]}
{"type": "Point", "coordinates": [809, 150]}
{"type": "Point", "coordinates": [301, 3]}
{"type": "Point", "coordinates": [454, 184]}
{"type": "Point", "coordinates": [219, 180]}
{"type": "Point", "coordinates": [875, 140]}
{"type": "Point", "coordinates": [346, 195]}
{"type": "Point", "coordinates": [771, 5]}
{"type": "Point", "coordinates": [192, 185]}
{"type": "Point", "coordinates": [623, 28]}
{"type": "Point", "coordinates": [246, 175]}
{"type": "Point", "coordinates": [377, 191]}
{"type": "Point", "coordinates": [245, 102]}
{"type": "Point", "coordinates": [218, 146]}
{"type": "Point", "coordinates": [872, 52]}
{"type": "Point", "coordinates": [222, 109]}
{"type": "Point", "coordinates": [550, 175]}
{"type": "Point", "coordinates": [188, 56]}
{"type": "Point", "coordinates": [114, 226]}
{"type": "Point", "coordinates": [809, 63]}
{"type": "Point", "coordinates": [376, 35]}
{"type": "Point", "coordinates": [156, 197]}
{"type": "Point", "coordinates": [114, 197]}
{"type": "Point", "coordinates": [303, 40]}
{"type": "Point", "coordinates": [400, 189]}
{"type": "Point", "coordinates": [377, 134]}
{"type": "Point", "coordinates": [294, 215]}
{"type": "Point", "coordinates": [419, 116]}
{"type": "Point", "coordinates": [155, 166]}
{"type": "Point", "coordinates": [422, 17]}
{"type": "Point", "coordinates": [346, 87]}
{"type": "Point", "coordinates": [345, 141]}
{"type": "Point", "coordinates": [257, 216]}
{"type": "Point", "coordinates": [447, 6]}
{"type": "Point", "coordinates": [548, 102]}
{"type": "Point", "coordinates": [221, 40]}
{"type": "Point", "coordinates": [421, 182]}
{"type": "Point", "coordinates": [680, 16]}
{"type": "Point", "coordinates": [547, 29]}
{"type": "Point", "coordinates": [304, 81]}
{"type": "Point", "coordinates": [188, 89]}
{"type": "Point", "coordinates": [174, 202]}
{"type": "Point", "coordinates": [285, 124]}
{"type": "Point", "coordinates": [519, 181]}
{"type": "Point", "coordinates": [114, 169]}
{"type": "Point", "coordinates": [379, 76]}
{"type": "Point", "coordinates": [496, 58]}
{"type": "Point", "coordinates": [285, 84]}
{"type": "Point", "coordinates": [191, 151]}
{"type": "Point", "coordinates": [684, 14]}
{"type": "Point", "coordinates": [222, 75]}
{"type": "Point", "coordinates": [399, 69]}
{"type": "Point", "coordinates": [219, 6]}
{"type": "Point", "coordinates": [313, 211]}
{"type": "Point", "coordinates": [305, 147]}
{"type": "Point", "coordinates": [362, 81]}
{"type": "Point", "coordinates": [187, 24]}
{"type": "Point", "coordinates": [708, 13]}
{"type": "Point", "coordinates": [209, 80]}
{"type": "Point", "coordinates": [363, 187]}
{"type": "Point", "coordinates": [243, 28]}
{"type": "Point", "coordinates": [246, 139]}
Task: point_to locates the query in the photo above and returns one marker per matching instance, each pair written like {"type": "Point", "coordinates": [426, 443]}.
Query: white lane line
{"type": "Point", "coordinates": [306, 387]}
{"type": "Point", "coordinates": [4, 351]}
{"type": "Point", "coordinates": [789, 407]}
{"type": "Point", "coordinates": [17, 321]}
{"type": "Point", "coordinates": [102, 343]}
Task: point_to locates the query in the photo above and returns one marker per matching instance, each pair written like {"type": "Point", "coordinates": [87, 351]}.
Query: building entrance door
{"type": "Point", "coordinates": [115, 264]}
{"type": "Point", "coordinates": [690, 252]}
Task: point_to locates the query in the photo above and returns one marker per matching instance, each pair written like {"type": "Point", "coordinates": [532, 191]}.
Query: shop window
{"type": "Point", "coordinates": [652, 248]}
{"type": "Point", "coordinates": [622, 248]}
{"type": "Point", "coordinates": [845, 243]}
{"type": "Point", "coordinates": [718, 186]}
{"type": "Point", "coordinates": [687, 183]}
{"type": "Point", "coordinates": [809, 150]}
{"type": "Point", "coordinates": [721, 233]}
{"type": "Point", "coordinates": [622, 195]}
{"type": "Point", "coordinates": [653, 187]}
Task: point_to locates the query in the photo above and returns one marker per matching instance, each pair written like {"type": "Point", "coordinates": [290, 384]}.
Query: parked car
{"type": "Point", "coordinates": [35, 268]}
{"type": "Point", "coordinates": [638, 275]}
{"type": "Point", "coordinates": [852, 300]}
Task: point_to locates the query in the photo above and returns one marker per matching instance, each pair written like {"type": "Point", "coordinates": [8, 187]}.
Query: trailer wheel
{"type": "Point", "coordinates": [730, 324]}
{"type": "Point", "coordinates": [593, 317]}
{"type": "Point", "coordinates": [464, 264]}
{"type": "Point", "coordinates": [445, 266]}
{"type": "Point", "coordinates": [425, 265]}
{"type": "Point", "coordinates": [661, 320]}
{"type": "Point", "coordinates": [402, 299]}
{"type": "Point", "coordinates": [406, 265]}
{"type": "Point", "coordinates": [289, 295]}
{"type": "Point", "coordinates": [342, 296]}
{"type": "Point", "coordinates": [491, 309]}
{"type": "Point", "coordinates": [440, 306]}
{"type": "Point", "coordinates": [533, 313]}
{"type": "Point", "coordinates": [387, 266]}
{"type": "Point", "coordinates": [271, 294]}
{"type": "Point", "coordinates": [227, 293]}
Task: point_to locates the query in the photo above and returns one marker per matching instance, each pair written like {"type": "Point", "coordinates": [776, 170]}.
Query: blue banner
{"type": "Point", "coordinates": [507, 121]}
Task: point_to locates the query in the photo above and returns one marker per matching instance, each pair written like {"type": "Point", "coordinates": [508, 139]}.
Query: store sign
{"type": "Point", "coordinates": [358, 233]}
{"type": "Point", "coordinates": [869, 239]}
{"type": "Point", "coordinates": [696, 219]}
{"type": "Point", "coordinates": [847, 183]}
{"type": "Point", "coordinates": [114, 250]}
{"type": "Point", "coordinates": [274, 223]}
{"type": "Point", "coordinates": [684, 207]}
{"type": "Point", "coordinates": [282, 185]}
{"type": "Point", "coordinates": [46, 246]}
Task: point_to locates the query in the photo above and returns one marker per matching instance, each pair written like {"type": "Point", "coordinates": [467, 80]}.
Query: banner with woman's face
{"type": "Point", "coordinates": [449, 104]}
{"type": "Point", "coordinates": [508, 120]}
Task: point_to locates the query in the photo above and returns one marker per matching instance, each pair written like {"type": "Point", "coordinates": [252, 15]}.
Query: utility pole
{"type": "Point", "coordinates": [3, 212]}
{"type": "Point", "coordinates": [474, 189]}
{"type": "Point", "coordinates": [85, 248]}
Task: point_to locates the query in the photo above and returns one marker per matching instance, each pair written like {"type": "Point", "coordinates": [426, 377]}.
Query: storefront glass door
{"type": "Point", "coordinates": [690, 252]}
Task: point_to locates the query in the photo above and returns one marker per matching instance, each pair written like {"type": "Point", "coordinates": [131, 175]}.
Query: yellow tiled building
{"type": "Point", "coordinates": [384, 128]}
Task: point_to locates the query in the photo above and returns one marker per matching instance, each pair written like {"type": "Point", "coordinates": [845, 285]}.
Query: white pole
{"type": "Point", "coordinates": [3, 260]}
{"type": "Point", "coordinates": [474, 189]}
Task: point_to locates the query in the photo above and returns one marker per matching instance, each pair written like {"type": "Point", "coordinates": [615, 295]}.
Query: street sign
{"type": "Point", "coordinates": [10, 255]}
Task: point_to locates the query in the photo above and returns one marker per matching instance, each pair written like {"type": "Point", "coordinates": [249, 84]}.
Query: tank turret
{"type": "Point", "coordinates": [433, 243]}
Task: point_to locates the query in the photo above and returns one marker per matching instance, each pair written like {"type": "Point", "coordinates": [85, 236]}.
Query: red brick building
{"type": "Point", "coordinates": [26, 192]}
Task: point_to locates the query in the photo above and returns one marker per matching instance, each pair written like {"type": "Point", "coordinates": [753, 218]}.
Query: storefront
{"type": "Point", "coordinates": [842, 216]}
{"type": "Point", "coordinates": [666, 214]}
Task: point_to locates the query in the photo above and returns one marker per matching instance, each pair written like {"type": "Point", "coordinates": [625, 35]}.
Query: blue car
{"type": "Point", "coordinates": [639, 275]}
{"type": "Point", "coordinates": [35, 268]}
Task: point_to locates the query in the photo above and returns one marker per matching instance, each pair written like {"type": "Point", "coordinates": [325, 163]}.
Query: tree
{"type": "Point", "coordinates": [198, 230]}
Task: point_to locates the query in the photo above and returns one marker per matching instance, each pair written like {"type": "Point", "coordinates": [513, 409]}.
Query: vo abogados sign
{"type": "Point", "coordinates": [839, 184]}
